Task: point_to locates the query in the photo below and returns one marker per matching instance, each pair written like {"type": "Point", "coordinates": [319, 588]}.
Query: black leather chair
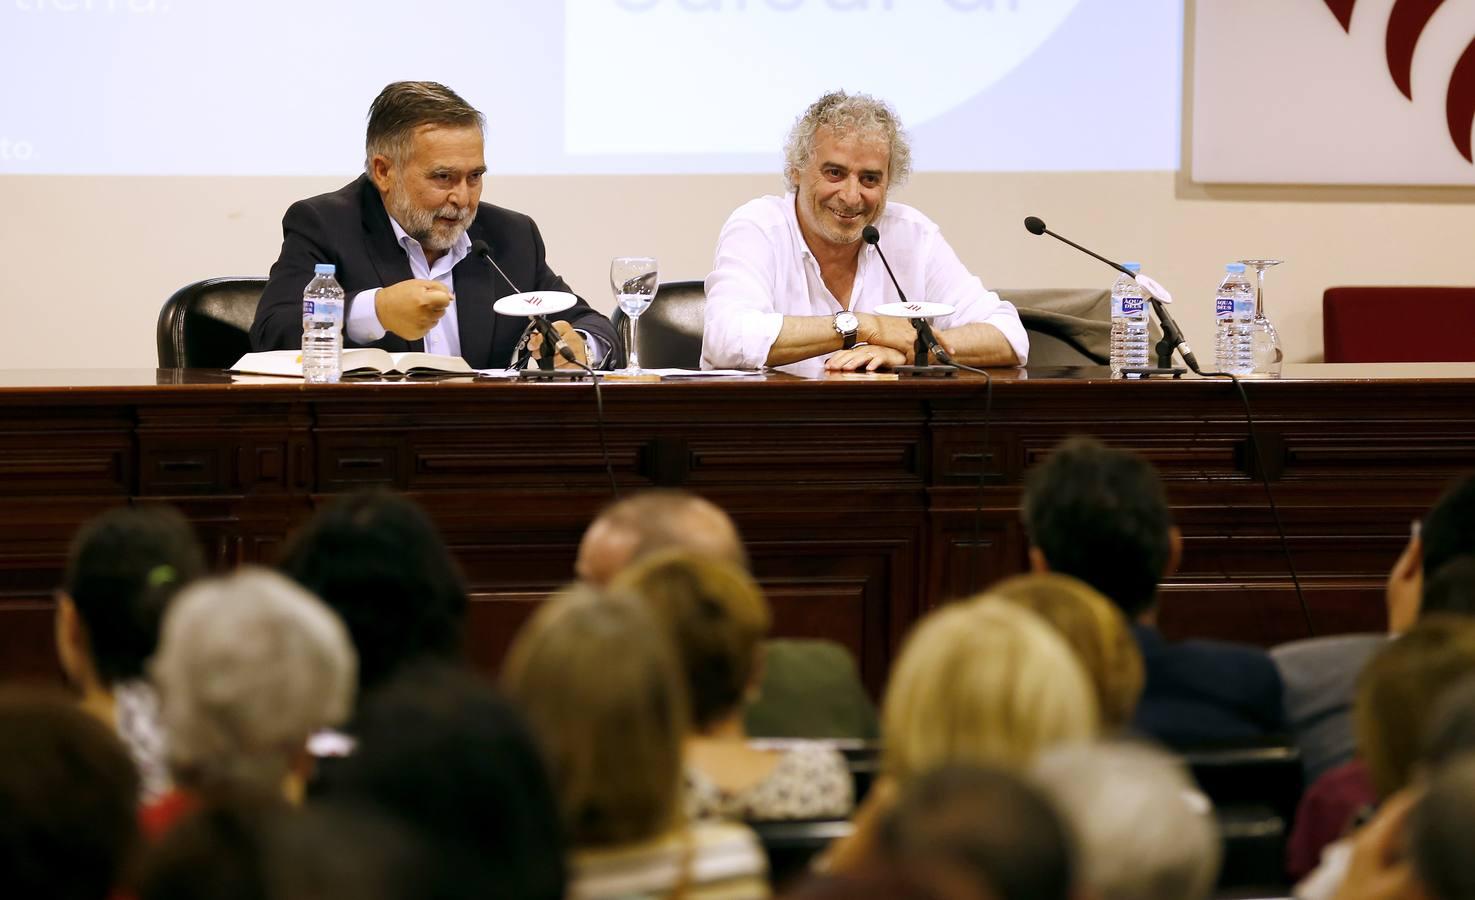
{"type": "Point", "coordinates": [207, 325]}
{"type": "Point", "coordinates": [671, 329]}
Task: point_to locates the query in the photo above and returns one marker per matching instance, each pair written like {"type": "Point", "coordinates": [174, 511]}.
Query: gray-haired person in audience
{"type": "Point", "coordinates": [249, 666]}
{"type": "Point", "coordinates": [123, 569]}
{"type": "Point", "coordinates": [1143, 829]}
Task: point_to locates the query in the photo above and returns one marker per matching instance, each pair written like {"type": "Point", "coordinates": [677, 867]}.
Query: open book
{"type": "Point", "coordinates": [362, 362]}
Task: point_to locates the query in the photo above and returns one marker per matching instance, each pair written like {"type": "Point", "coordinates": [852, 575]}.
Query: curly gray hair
{"type": "Point", "coordinates": [846, 114]}
{"type": "Point", "coordinates": [249, 665]}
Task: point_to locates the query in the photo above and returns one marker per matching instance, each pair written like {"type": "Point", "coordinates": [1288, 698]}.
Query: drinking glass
{"type": "Point", "coordinates": [634, 281]}
{"type": "Point", "coordinates": [1264, 342]}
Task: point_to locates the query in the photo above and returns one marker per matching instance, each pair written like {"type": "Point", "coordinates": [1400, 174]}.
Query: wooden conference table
{"type": "Point", "coordinates": [859, 500]}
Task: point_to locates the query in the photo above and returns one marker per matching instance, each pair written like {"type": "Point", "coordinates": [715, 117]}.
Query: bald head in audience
{"type": "Point", "coordinates": [652, 521]}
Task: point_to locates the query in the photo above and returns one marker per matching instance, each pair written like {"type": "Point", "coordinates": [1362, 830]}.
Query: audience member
{"type": "Point", "coordinates": [810, 688]}
{"type": "Point", "coordinates": [602, 688]}
{"type": "Point", "coordinates": [982, 683]}
{"type": "Point", "coordinates": [1446, 532]}
{"type": "Point", "coordinates": [1143, 829]}
{"type": "Point", "coordinates": [892, 882]}
{"type": "Point", "coordinates": [717, 617]}
{"type": "Point", "coordinates": [263, 850]}
{"type": "Point", "coordinates": [67, 801]}
{"type": "Point", "coordinates": [1101, 515]}
{"type": "Point", "coordinates": [441, 753]}
{"type": "Point", "coordinates": [1095, 629]}
{"type": "Point", "coordinates": [376, 559]}
{"type": "Point", "coordinates": [989, 825]}
{"type": "Point", "coordinates": [650, 522]}
{"type": "Point", "coordinates": [1439, 829]}
{"type": "Point", "coordinates": [123, 569]}
{"type": "Point", "coordinates": [1396, 698]}
{"type": "Point", "coordinates": [249, 665]}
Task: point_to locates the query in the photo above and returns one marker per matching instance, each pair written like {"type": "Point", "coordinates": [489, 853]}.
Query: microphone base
{"type": "Point", "coordinates": [926, 371]}
{"type": "Point", "coordinates": [531, 374]}
{"type": "Point", "coordinates": [1140, 372]}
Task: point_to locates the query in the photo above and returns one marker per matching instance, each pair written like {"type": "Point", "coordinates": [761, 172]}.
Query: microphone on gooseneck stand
{"type": "Point", "coordinates": [926, 340]}
{"type": "Point", "coordinates": [552, 340]}
{"type": "Point", "coordinates": [1173, 337]}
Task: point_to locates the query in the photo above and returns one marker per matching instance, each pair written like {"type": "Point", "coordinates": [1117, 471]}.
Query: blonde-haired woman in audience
{"type": "Point", "coordinates": [985, 682]}
{"type": "Point", "coordinates": [249, 666]}
{"type": "Point", "coordinates": [600, 683]}
{"type": "Point", "coordinates": [1095, 629]}
{"type": "Point", "coordinates": [717, 617]}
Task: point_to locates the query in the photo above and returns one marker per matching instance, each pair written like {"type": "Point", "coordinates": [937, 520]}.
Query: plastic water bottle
{"type": "Point", "coordinates": [1234, 314]}
{"type": "Point", "coordinates": [1128, 324]}
{"type": "Point", "coordinates": [322, 327]}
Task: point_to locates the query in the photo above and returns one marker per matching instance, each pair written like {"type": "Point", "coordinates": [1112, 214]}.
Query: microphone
{"type": "Point", "coordinates": [871, 235]}
{"type": "Point", "coordinates": [1173, 336]}
{"type": "Point", "coordinates": [540, 323]}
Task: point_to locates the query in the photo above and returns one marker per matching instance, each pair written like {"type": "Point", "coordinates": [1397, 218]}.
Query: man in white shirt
{"type": "Point", "coordinates": [793, 279]}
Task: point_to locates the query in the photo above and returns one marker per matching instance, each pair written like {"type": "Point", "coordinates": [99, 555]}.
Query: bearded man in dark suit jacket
{"type": "Point", "coordinates": [401, 238]}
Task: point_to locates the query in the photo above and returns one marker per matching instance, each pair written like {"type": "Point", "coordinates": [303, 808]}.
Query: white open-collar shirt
{"type": "Point", "coordinates": [764, 271]}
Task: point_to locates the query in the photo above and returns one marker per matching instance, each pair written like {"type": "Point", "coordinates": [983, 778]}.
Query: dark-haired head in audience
{"type": "Point", "coordinates": [1439, 829]}
{"type": "Point", "coordinates": [123, 569]}
{"type": "Point", "coordinates": [68, 800]}
{"type": "Point", "coordinates": [1100, 515]}
{"type": "Point", "coordinates": [652, 521]}
{"type": "Point", "coordinates": [258, 850]}
{"type": "Point", "coordinates": [988, 825]}
{"type": "Point", "coordinates": [249, 666]}
{"type": "Point", "coordinates": [440, 752]}
{"type": "Point", "coordinates": [1444, 535]}
{"type": "Point", "coordinates": [376, 559]}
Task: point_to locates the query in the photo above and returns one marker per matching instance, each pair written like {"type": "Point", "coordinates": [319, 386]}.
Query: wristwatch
{"type": "Point", "coordinates": [847, 326]}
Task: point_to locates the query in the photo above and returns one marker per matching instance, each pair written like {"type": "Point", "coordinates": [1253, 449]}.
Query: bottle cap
{"type": "Point", "coordinates": [330, 269]}
{"type": "Point", "coordinates": [1135, 267]}
{"type": "Point", "coordinates": [1235, 268]}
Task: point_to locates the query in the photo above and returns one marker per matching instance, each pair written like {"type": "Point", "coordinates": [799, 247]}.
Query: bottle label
{"type": "Point", "coordinates": [1132, 306]}
{"type": "Point", "coordinates": [1224, 307]}
{"type": "Point", "coordinates": [308, 307]}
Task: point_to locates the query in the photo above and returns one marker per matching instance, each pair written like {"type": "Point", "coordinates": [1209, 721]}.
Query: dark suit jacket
{"type": "Point", "coordinates": [1206, 692]}
{"type": "Point", "coordinates": [350, 229]}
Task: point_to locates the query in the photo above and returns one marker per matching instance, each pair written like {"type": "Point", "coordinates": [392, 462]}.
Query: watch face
{"type": "Point", "coordinates": [846, 322]}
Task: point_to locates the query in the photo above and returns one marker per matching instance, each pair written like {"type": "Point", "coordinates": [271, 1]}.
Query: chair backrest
{"type": "Point", "coordinates": [671, 329]}
{"type": "Point", "coordinates": [1390, 324]}
{"type": "Point", "coordinates": [1067, 326]}
{"type": "Point", "coordinates": [207, 325]}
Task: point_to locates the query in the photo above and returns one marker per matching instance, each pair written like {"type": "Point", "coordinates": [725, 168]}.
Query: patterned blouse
{"type": "Point", "coordinates": [811, 781]}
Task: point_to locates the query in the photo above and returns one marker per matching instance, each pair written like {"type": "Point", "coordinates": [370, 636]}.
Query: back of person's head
{"type": "Point", "coordinates": [1100, 514]}
{"type": "Point", "coordinates": [123, 568]}
{"type": "Point", "coordinates": [987, 822]}
{"type": "Point", "coordinates": [892, 881]}
{"type": "Point", "coordinates": [1143, 830]}
{"type": "Point", "coordinates": [599, 681]}
{"type": "Point", "coordinates": [1451, 730]}
{"type": "Point", "coordinates": [376, 559]}
{"type": "Point", "coordinates": [1439, 829]}
{"type": "Point", "coordinates": [68, 790]}
{"type": "Point", "coordinates": [651, 522]}
{"type": "Point", "coordinates": [1451, 589]}
{"type": "Point", "coordinates": [1095, 629]}
{"type": "Point", "coordinates": [1399, 689]}
{"type": "Point", "coordinates": [1449, 528]}
{"type": "Point", "coordinates": [249, 665]}
{"type": "Point", "coordinates": [986, 682]}
{"type": "Point", "coordinates": [716, 615]}
{"type": "Point", "coordinates": [253, 850]}
{"type": "Point", "coordinates": [438, 750]}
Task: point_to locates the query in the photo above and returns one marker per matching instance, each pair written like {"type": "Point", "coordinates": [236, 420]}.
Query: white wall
{"type": "Point", "coordinates": [86, 262]}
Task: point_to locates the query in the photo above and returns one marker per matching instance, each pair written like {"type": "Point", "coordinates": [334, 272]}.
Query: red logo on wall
{"type": "Point", "coordinates": [1406, 23]}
